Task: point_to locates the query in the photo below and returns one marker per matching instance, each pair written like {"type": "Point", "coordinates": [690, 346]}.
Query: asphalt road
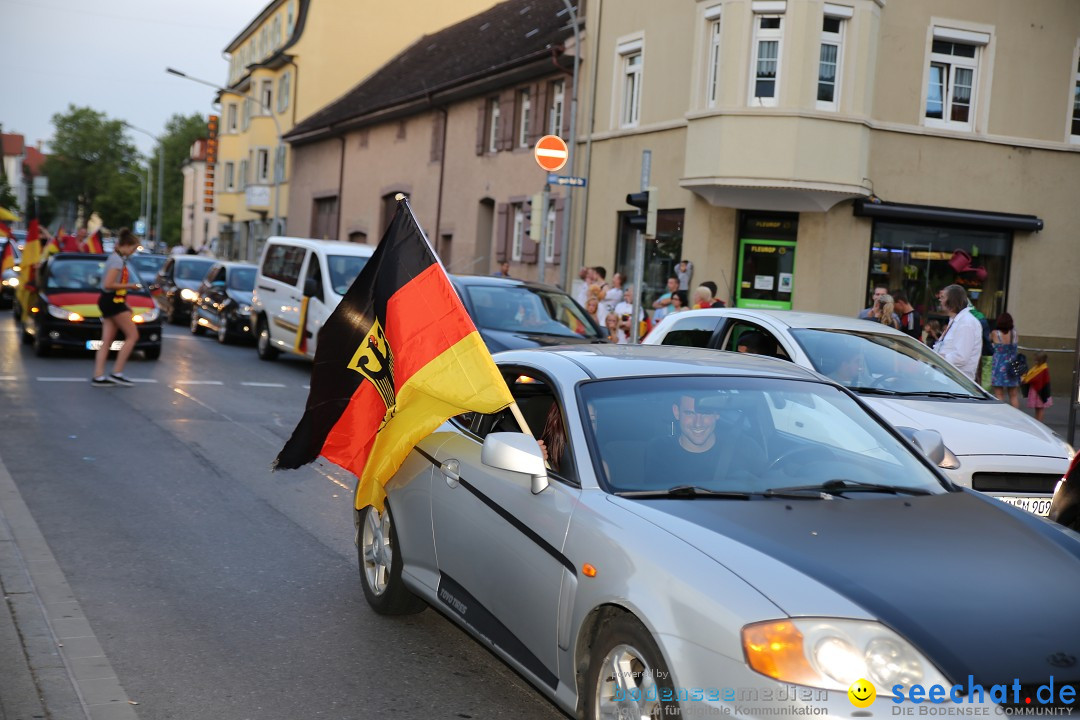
{"type": "Point", "coordinates": [217, 588]}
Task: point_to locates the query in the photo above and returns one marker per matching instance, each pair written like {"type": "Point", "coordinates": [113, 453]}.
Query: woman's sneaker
{"type": "Point", "coordinates": [102, 381]}
{"type": "Point", "coordinates": [120, 380]}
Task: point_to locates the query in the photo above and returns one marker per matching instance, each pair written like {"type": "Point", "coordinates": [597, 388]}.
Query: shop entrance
{"type": "Point", "coordinates": [766, 262]}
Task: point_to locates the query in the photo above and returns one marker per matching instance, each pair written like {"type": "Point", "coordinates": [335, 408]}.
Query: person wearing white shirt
{"type": "Point", "coordinates": [961, 342]}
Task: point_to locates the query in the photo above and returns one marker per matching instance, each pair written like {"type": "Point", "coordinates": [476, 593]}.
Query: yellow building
{"type": "Point", "coordinates": [295, 57]}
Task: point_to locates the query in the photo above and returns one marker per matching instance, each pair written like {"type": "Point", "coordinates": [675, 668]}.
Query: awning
{"type": "Point", "coordinates": [873, 208]}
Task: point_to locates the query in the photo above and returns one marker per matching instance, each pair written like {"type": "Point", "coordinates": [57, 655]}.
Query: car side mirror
{"type": "Point", "coordinates": [516, 452]}
{"type": "Point", "coordinates": [311, 287]}
{"type": "Point", "coordinates": [929, 443]}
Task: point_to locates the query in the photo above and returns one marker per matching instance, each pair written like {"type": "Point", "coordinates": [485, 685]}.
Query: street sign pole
{"type": "Point", "coordinates": [543, 240]}
{"type": "Point", "coordinates": [639, 254]}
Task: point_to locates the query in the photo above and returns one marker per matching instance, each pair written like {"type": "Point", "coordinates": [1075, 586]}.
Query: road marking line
{"type": "Point", "coordinates": [199, 382]}
{"type": "Point", "coordinates": [261, 384]}
{"type": "Point", "coordinates": [8, 378]}
{"type": "Point", "coordinates": [143, 380]}
{"type": "Point", "coordinates": [63, 379]}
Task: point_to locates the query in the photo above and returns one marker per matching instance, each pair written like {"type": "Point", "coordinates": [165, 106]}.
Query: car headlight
{"type": "Point", "coordinates": [149, 316]}
{"type": "Point", "coordinates": [12, 282]}
{"type": "Point", "coordinates": [243, 309]}
{"type": "Point", "coordinates": [189, 295]}
{"type": "Point", "coordinates": [64, 314]}
{"type": "Point", "coordinates": [832, 653]}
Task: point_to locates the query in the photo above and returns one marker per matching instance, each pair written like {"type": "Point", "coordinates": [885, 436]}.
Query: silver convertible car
{"type": "Point", "coordinates": [719, 537]}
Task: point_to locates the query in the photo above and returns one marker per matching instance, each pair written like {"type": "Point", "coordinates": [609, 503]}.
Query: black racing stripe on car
{"type": "Point", "coordinates": [430, 458]}
{"type": "Point", "coordinates": [520, 526]}
{"type": "Point", "coordinates": [460, 603]}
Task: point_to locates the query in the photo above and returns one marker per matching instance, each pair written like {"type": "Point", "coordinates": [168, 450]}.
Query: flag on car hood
{"type": "Point", "coordinates": [396, 359]}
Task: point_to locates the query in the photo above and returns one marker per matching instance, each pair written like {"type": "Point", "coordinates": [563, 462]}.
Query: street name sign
{"type": "Point", "coordinates": [570, 180]}
{"type": "Point", "coordinates": [551, 153]}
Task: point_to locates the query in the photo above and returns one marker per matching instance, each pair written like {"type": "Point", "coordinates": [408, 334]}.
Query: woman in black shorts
{"type": "Point", "coordinates": [115, 314]}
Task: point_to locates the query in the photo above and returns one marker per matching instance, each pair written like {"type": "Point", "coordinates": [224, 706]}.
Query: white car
{"type": "Point", "coordinates": [992, 447]}
{"type": "Point", "coordinates": [299, 283]}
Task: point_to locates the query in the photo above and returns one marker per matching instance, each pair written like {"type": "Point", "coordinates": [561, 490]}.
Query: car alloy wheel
{"type": "Point", "coordinates": [380, 565]}
{"type": "Point", "coordinates": [262, 345]}
{"type": "Point", "coordinates": [196, 328]}
{"type": "Point", "coordinates": [627, 677]}
{"type": "Point", "coordinates": [222, 332]}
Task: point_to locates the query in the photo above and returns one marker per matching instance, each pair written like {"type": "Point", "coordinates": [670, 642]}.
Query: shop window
{"type": "Point", "coordinates": [766, 261]}
{"type": "Point", "coordinates": [1075, 125]}
{"type": "Point", "coordinates": [661, 254]}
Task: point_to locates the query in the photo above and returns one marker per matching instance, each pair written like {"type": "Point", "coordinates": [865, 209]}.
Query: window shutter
{"type": "Point", "coordinates": [529, 248]}
{"type": "Point", "coordinates": [506, 121]}
{"type": "Point", "coordinates": [560, 208]}
{"type": "Point", "coordinates": [566, 115]}
{"type": "Point", "coordinates": [502, 234]}
{"type": "Point", "coordinates": [481, 126]}
{"type": "Point", "coordinates": [540, 111]}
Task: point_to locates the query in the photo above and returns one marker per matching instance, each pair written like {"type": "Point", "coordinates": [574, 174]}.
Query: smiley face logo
{"type": "Point", "coordinates": [862, 693]}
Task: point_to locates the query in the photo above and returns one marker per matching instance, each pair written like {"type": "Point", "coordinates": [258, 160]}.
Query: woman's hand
{"type": "Point", "coordinates": [543, 448]}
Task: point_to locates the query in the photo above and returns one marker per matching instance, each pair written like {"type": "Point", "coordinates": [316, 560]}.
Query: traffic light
{"type": "Point", "coordinates": [645, 202]}
{"type": "Point", "coordinates": [534, 216]}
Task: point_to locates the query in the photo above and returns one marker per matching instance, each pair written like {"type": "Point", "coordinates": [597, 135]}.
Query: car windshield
{"type": "Point", "coordinates": [75, 274]}
{"type": "Point", "coordinates": [242, 279]}
{"type": "Point", "coordinates": [882, 363]}
{"type": "Point", "coordinates": [737, 435]}
{"type": "Point", "coordinates": [521, 309]}
{"type": "Point", "coordinates": [193, 268]}
{"type": "Point", "coordinates": [146, 266]}
{"type": "Point", "coordinates": [343, 270]}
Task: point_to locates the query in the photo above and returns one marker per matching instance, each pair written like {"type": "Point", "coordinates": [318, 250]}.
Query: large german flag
{"type": "Point", "coordinates": [396, 359]}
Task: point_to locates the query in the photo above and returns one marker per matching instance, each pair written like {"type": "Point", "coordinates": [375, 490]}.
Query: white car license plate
{"type": "Point", "coordinates": [1036, 505]}
{"type": "Point", "coordinates": [95, 344]}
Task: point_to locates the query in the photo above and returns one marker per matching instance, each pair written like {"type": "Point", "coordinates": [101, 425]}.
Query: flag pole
{"type": "Point", "coordinates": [402, 198]}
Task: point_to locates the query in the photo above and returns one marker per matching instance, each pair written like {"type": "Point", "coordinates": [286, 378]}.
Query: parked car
{"type": "Point", "coordinates": [63, 311]}
{"type": "Point", "coordinates": [223, 305]}
{"type": "Point", "coordinates": [147, 266]}
{"type": "Point", "coordinates": [793, 560]}
{"type": "Point", "coordinates": [993, 447]}
{"type": "Point", "coordinates": [511, 314]}
{"type": "Point", "coordinates": [175, 285]}
{"type": "Point", "coordinates": [299, 283]}
{"type": "Point", "coordinates": [9, 278]}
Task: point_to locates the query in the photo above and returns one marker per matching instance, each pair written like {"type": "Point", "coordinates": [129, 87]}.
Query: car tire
{"type": "Point", "coordinates": [262, 342]}
{"type": "Point", "coordinates": [380, 563]}
{"type": "Point", "coordinates": [625, 656]}
{"type": "Point", "coordinates": [152, 353]}
{"type": "Point", "coordinates": [223, 332]}
{"type": "Point", "coordinates": [196, 328]}
{"type": "Point", "coordinates": [42, 348]}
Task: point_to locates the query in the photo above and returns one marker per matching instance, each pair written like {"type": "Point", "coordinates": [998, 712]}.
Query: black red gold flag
{"type": "Point", "coordinates": [397, 358]}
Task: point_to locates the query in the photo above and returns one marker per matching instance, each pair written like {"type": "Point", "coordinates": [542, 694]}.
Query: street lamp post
{"type": "Point", "coordinates": [267, 110]}
{"type": "Point", "coordinates": [161, 179]}
{"type": "Point", "coordinates": [571, 144]}
{"type": "Point", "coordinates": [142, 190]}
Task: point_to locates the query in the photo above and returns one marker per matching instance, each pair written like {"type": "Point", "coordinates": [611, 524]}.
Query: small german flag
{"type": "Point", "coordinates": [93, 243]}
{"type": "Point", "coordinates": [397, 358]}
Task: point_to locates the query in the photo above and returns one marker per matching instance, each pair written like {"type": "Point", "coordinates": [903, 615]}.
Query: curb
{"type": "Point", "coordinates": [51, 664]}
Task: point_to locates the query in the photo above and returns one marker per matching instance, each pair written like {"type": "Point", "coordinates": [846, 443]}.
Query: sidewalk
{"type": "Point", "coordinates": [51, 664]}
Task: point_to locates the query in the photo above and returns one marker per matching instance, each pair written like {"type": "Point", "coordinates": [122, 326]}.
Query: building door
{"type": "Point", "coordinates": [766, 261]}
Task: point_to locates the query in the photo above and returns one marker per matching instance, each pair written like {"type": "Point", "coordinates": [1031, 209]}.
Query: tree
{"type": "Point", "coordinates": [180, 133]}
{"type": "Point", "coordinates": [7, 198]}
{"type": "Point", "coordinates": [89, 164]}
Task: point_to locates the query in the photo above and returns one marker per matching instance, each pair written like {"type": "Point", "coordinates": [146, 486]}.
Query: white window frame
{"type": "Point", "coordinates": [517, 237]}
{"type": "Point", "coordinates": [549, 234]}
{"type": "Point", "coordinates": [245, 121]}
{"type": "Point", "coordinates": [713, 56]}
{"type": "Point", "coordinates": [266, 96]}
{"type": "Point", "coordinates": [228, 177]}
{"type": "Point", "coordinates": [493, 125]}
{"type": "Point", "coordinates": [630, 78]}
{"type": "Point", "coordinates": [1073, 118]}
{"type": "Point", "coordinates": [558, 106]}
{"type": "Point", "coordinates": [841, 14]}
{"type": "Point", "coordinates": [951, 64]}
{"type": "Point", "coordinates": [766, 35]}
{"type": "Point", "coordinates": [242, 176]}
{"type": "Point", "coordinates": [524, 117]}
{"type": "Point", "coordinates": [263, 166]}
{"type": "Point", "coordinates": [231, 118]}
{"type": "Point", "coordinates": [284, 89]}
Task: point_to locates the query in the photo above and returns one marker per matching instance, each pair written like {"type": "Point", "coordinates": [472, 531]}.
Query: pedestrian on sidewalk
{"type": "Point", "coordinates": [1002, 376]}
{"type": "Point", "coordinates": [115, 314]}
{"type": "Point", "coordinates": [1038, 381]}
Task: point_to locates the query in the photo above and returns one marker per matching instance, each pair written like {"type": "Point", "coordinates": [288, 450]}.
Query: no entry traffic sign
{"type": "Point", "coordinates": [551, 152]}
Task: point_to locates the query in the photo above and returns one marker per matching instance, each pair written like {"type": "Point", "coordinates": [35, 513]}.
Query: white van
{"type": "Point", "coordinates": [290, 270]}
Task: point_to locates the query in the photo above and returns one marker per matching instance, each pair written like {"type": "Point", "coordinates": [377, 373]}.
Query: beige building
{"type": "Point", "coordinates": [451, 122]}
{"type": "Point", "coordinates": [292, 59]}
{"type": "Point", "coordinates": [198, 225]}
{"type": "Point", "coordinates": [805, 150]}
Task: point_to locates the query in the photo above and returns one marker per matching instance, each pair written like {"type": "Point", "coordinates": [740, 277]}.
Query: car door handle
{"type": "Point", "coordinates": [450, 470]}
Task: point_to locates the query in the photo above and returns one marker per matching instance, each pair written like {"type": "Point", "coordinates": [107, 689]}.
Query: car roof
{"type": "Point", "coordinates": [492, 281]}
{"type": "Point", "coordinates": [797, 319]}
{"type": "Point", "coordinates": [349, 248]}
{"type": "Point", "coordinates": [76, 256]}
{"type": "Point", "coordinates": [607, 360]}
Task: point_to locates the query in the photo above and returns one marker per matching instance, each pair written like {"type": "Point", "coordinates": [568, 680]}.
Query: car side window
{"type": "Point", "coordinates": [755, 339]}
{"type": "Point", "coordinates": [314, 272]}
{"type": "Point", "coordinates": [692, 331]}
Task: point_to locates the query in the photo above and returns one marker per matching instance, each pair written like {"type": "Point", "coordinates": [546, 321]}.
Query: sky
{"type": "Point", "coordinates": [111, 55]}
